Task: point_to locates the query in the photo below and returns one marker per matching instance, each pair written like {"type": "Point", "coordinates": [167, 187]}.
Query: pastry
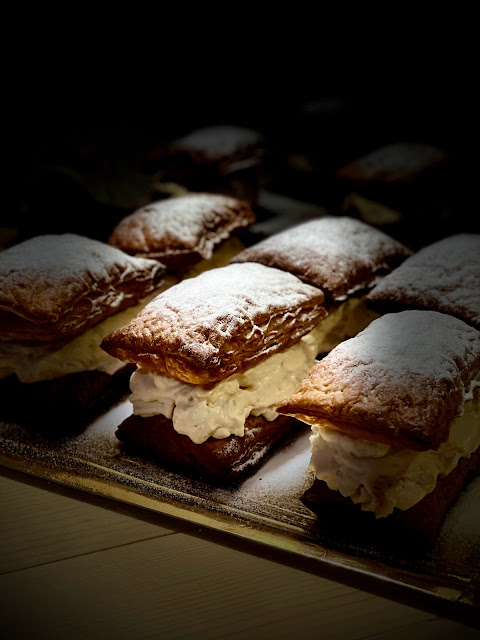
{"type": "Point", "coordinates": [342, 256]}
{"type": "Point", "coordinates": [413, 181]}
{"type": "Point", "coordinates": [183, 230]}
{"type": "Point", "coordinates": [444, 276]}
{"type": "Point", "coordinates": [59, 295]}
{"type": "Point", "coordinates": [221, 159]}
{"type": "Point", "coordinates": [395, 419]}
{"type": "Point", "coordinates": [214, 355]}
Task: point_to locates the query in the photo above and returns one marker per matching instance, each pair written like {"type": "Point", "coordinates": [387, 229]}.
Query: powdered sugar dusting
{"type": "Point", "coordinates": [337, 254]}
{"type": "Point", "coordinates": [194, 221]}
{"type": "Point", "coordinates": [218, 141]}
{"type": "Point", "coordinates": [230, 309]}
{"type": "Point", "coordinates": [445, 276]}
{"type": "Point", "coordinates": [48, 274]}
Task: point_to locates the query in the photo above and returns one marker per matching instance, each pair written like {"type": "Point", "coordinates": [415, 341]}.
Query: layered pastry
{"type": "Point", "coordinates": [444, 276]}
{"type": "Point", "coordinates": [342, 256]}
{"type": "Point", "coordinates": [411, 180]}
{"type": "Point", "coordinates": [395, 419]}
{"type": "Point", "coordinates": [222, 159]}
{"type": "Point", "coordinates": [181, 231]}
{"type": "Point", "coordinates": [59, 296]}
{"type": "Point", "coordinates": [215, 354]}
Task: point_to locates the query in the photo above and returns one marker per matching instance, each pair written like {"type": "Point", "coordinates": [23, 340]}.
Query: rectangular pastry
{"type": "Point", "coordinates": [395, 419]}
{"type": "Point", "coordinates": [222, 159]}
{"type": "Point", "coordinates": [59, 296]}
{"type": "Point", "coordinates": [181, 231]}
{"type": "Point", "coordinates": [215, 354]}
{"type": "Point", "coordinates": [342, 256]}
{"type": "Point", "coordinates": [444, 276]}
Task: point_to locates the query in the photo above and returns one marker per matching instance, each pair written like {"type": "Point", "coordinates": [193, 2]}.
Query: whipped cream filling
{"type": "Point", "coordinates": [33, 363]}
{"type": "Point", "coordinates": [382, 477]}
{"type": "Point", "coordinates": [220, 410]}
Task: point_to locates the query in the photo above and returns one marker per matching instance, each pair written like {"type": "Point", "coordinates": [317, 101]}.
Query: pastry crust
{"type": "Point", "coordinates": [445, 276]}
{"type": "Point", "coordinates": [401, 381]}
{"type": "Point", "coordinates": [219, 323]}
{"type": "Point", "coordinates": [226, 458]}
{"type": "Point", "coordinates": [180, 231]}
{"type": "Point", "coordinates": [401, 162]}
{"type": "Point", "coordinates": [54, 287]}
{"type": "Point", "coordinates": [337, 254]}
{"type": "Point", "coordinates": [64, 404]}
{"type": "Point", "coordinates": [218, 150]}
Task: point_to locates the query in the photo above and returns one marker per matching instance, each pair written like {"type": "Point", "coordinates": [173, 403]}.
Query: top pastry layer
{"type": "Point", "coordinates": [177, 228]}
{"type": "Point", "coordinates": [401, 381]}
{"type": "Point", "coordinates": [54, 287]}
{"type": "Point", "coordinates": [401, 162]}
{"type": "Point", "coordinates": [337, 254]}
{"type": "Point", "coordinates": [445, 276]}
{"type": "Point", "coordinates": [219, 323]}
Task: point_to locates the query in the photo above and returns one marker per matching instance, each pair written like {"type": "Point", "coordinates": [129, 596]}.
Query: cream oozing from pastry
{"type": "Point", "coordinates": [381, 477]}
{"type": "Point", "coordinates": [34, 363]}
{"type": "Point", "coordinates": [221, 410]}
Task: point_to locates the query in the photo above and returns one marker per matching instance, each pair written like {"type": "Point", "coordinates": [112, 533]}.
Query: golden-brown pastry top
{"type": "Point", "coordinates": [444, 276]}
{"type": "Point", "coordinates": [177, 230]}
{"type": "Point", "coordinates": [401, 381]}
{"type": "Point", "coordinates": [54, 287]}
{"type": "Point", "coordinates": [337, 254]}
{"type": "Point", "coordinates": [219, 323]}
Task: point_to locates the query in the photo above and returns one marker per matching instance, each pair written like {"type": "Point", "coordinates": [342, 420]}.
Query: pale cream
{"type": "Point", "coordinates": [221, 410]}
{"type": "Point", "coordinates": [381, 477]}
{"type": "Point", "coordinates": [33, 363]}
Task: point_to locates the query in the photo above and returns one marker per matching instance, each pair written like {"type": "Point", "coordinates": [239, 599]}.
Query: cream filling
{"type": "Point", "coordinates": [221, 410]}
{"type": "Point", "coordinates": [344, 320]}
{"type": "Point", "coordinates": [381, 477]}
{"type": "Point", "coordinates": [38, 362]}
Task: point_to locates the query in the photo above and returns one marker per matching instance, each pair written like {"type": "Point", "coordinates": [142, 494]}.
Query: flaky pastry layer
{"type": "Point", "coordinates": [445, 276]}
{"type": "Point", "coordinates": [179, 230]}
{"type": "Point", "coordinates": [401, 381]}
{"type": "Point", "coordinates": [54, 287]}
{"type": "Point", "coordinates": [219, 323]}
{"type": "Point", "coordinates": [337, 254]}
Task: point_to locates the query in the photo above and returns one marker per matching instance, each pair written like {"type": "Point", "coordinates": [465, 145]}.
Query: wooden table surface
{"type": "Point", "coordinates": [74, 565]}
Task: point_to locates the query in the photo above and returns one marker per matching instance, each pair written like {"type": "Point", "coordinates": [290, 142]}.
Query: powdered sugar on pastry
{"type": "Point", "coordinates": [193, 222]}
{"type": "Point", "coordinates": [445, 276]}
{"type": "Point", "coordinates": [219, 323]}
{"type": "Point", "coordinates": [402, 380]}
{"type": "Point", "coordinates": [338, 254]}
{"type": "Point", "coordinates": [66, 283]}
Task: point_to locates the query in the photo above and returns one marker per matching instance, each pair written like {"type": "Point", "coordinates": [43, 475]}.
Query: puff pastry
{"type": "Point", "coordinates": [54, 287]}
{"type": "Point", "coordinates": [393, 411]}
{"type": "Point", "coordinates": [219, 323]}
{"type": "Point", "coordinates": [340, 255]}
{"type": "Point", "coordinates": [223, 459]}
{"type": "Point", "coordinates": [444, 276]}
{"type": "Point", "coordinates": [180, 231]}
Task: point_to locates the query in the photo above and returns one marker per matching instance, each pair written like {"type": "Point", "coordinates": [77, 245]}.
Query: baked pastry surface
{"type": "Point", "coordinates": [395, 163]}
{"type": "Point", "coordinates": [225, 458]}
{"type": "Point", "coordinates": [401, 381]}
{"type": "Point", "coordinates": [181, 230]}
{"type": "Point", "coordinates": [219, 323]}
{"type": "Point", "coordinates": [337, 254]}
{"type": "Point", "coordinates": [54, 287]}
{"type": "Point", "coordinates": [444, 276]}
